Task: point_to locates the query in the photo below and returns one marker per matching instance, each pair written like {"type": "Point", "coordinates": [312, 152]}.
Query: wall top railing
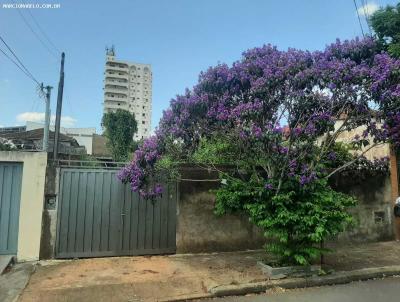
{"type": "Point", "coordinates": [95, 164]}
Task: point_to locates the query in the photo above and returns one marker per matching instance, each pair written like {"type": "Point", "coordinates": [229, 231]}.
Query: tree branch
{"type": "Point", "coordinates": [354, 160]}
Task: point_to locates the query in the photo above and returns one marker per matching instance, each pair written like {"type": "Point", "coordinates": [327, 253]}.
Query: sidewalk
{"type": "Point", "coordinates": [177, 277]}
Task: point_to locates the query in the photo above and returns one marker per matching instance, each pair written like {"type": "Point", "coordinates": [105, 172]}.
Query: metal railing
{"type": "Point", "coordinates": [92, 164]}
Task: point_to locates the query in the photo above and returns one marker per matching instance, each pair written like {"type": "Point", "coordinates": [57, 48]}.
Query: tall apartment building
{"type": "Point", "coordinates": [128, 86]}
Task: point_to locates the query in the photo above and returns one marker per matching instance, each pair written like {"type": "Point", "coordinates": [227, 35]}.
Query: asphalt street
{"type": "Point", "coordinates": [382, 290]}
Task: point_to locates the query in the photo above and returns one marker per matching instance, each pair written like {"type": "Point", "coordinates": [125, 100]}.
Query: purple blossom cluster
{"type": "Point", "coordinates": [307, 92]}
{"type": "Point", "coordinates": [393, 127]}
{"type": "Point", "coordinates": [141, 169]}
{"type": "Point", "coordinates": [377, 165]}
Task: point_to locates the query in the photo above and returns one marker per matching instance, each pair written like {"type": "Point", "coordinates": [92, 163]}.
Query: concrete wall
{"type": "Point", "coordinates": [100, 148]}
{"type": "Point", "coordinates": [373, 214]}
{"type": "Point", "coordinates": [31, 205]}
{"type": "Point", "coordinates": [348, 137]}
{"type": "Point", "coordinates": [49, 223]}
{"type": "Point", "coordinates": [200, 230]}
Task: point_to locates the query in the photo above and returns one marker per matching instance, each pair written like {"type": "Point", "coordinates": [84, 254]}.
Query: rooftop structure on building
{"type": "Point", "coordinates": [84, 136]}
{"type": "Point", "coordinates": [128, 86]}
{"type": "Point", "coordinates": [28, 138]}
{"type": "Point", "coordinates": [33, 140]}
{"type": "Point", "coordinates": [13, 129]}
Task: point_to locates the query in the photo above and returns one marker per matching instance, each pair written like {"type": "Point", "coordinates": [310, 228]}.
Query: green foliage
{"type": "Point", "coordinates": [4, 146]}
{"type": "Point", "coordinates": [90, 160]}
{"type": "Point", "coordinates": [120, 126]}
{"type": "Point", "coordinates": [342, 155]}
{"type": "Point", "coordinates": [295, 221]}
{"type": "Point", "coordinates": [214, 151]}
{"type": "Point", "coordinates": [167, 165]}
{"type": "Point", "coordinates": [386, 24]}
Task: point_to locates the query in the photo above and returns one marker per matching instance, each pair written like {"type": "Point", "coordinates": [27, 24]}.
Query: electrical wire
{"type": "Point", "coordinates": [43, 32]}
{"type": "Point", "coordinates": [359, 20]}
{"type": "Point", "coordinates": [35, 34]}
{"type": "Point", "coordinates": [19, 67]}
{"type": "Point", "coordinates": [366, 14]}
{"type": "Point", "coordinates": [19, 61]}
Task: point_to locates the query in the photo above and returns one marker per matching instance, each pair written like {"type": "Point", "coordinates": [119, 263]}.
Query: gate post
{"type": "Point", "coordinates": [394, 179]}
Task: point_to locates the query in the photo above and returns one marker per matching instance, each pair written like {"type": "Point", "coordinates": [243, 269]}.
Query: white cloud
{"type": "Point", "coordinates": [4, 82]}
{"type": "Point", "coordinates": [66, 121]}
{"type": "Point", "coordinates": [368, 9]}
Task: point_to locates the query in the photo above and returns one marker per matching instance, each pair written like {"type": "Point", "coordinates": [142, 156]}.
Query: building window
{"type": "Point", "coordinates": [143, 122]}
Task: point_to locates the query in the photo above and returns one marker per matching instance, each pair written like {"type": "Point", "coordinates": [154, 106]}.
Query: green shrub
{"type": "Point", "coordinates": [295, 221]}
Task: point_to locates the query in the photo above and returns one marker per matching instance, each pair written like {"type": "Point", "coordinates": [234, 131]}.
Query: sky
{"type": "Point", "coordinates": [179, 38]}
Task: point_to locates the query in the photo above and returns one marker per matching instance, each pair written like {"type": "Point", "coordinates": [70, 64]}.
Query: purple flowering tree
{"type": "Point", "coordinates": [276, 117]}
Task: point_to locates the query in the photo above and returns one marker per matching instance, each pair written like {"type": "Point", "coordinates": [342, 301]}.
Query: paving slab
{"type": "Point", "coordinates": [5, 261]}
{"type": "Point", "coordinates": [13, 282]}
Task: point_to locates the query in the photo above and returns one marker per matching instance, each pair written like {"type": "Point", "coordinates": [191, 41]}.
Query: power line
{"type": "Point", "coordinates": [26, 71]}
{"type": "Point", "coordinates": [19, 67]}
{"type": "Point", "coordinates": [35, 34]}
{"type": "Point", "coordinates": [366, 13]}
{"type": "Point", "coordinates": [43, 32]}
{"type": "Point", "coordinates": [16, 57]}
{"type": "Point", "coordinates": [359, 20]}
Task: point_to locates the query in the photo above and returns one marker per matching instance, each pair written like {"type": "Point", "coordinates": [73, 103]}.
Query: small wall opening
{"type": "Point", "coordinates": [379, 217]}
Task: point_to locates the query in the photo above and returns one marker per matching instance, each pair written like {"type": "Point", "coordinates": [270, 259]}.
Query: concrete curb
{"type": "Point", "coordinates": [336, 278]}
{"type": "Point", "coordinates": [13, 283]}
{"type": "Point", "coordinates": [187, 298]}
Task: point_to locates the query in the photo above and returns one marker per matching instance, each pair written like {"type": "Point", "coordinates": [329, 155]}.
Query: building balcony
{"type": "Point", "coordinates": [122, 91]}
{"type": "Point", "coordinates": [119, 69]}
{"type": "Point", "coordinates": [115, 106]}
{"type": "Point", "coordinates": [116, 75]}
{"type": "Point", "coordinates": [115, 99]}
{"type": "Point", "coordinates": [108, 81]}
{"type": "Point", "coordinates": [118, 64]}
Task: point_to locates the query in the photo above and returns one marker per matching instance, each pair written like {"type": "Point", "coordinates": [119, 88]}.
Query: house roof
{"type": "Point", "coordinates": [37, 134]}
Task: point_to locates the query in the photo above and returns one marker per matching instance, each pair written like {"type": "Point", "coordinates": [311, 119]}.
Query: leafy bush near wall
{"type": "Point", "coordinates": [295, 221]}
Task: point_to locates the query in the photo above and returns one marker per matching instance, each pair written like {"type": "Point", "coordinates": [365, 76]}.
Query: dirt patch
{"type": "Point", "coordinates": [141, 278]}
{"type": "Point", "coordinates": [159, 278]}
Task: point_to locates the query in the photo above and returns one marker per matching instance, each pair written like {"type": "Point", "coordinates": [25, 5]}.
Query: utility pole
{"type": "Point", "coordinates": [46, 117]}
{"type": "Point", "coordinates": [59, 107]}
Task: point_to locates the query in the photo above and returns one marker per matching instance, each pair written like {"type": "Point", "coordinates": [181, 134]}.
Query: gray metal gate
{"type": "Point", "coordinates": [10, 195]}
{"type": "Point", "coordinates": [100, 216]}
